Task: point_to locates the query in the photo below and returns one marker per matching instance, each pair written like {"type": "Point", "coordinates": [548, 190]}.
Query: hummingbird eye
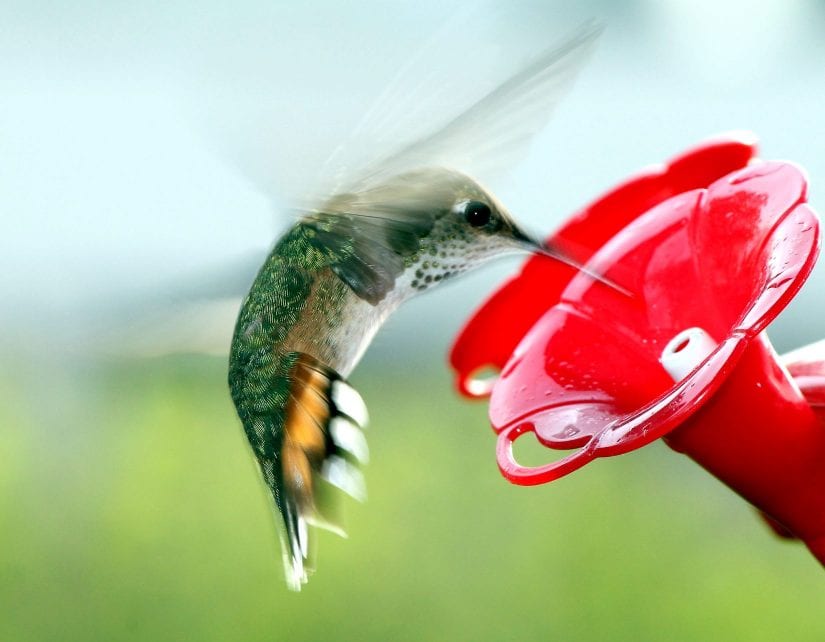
{"type": "Point", "coordinates": [476, 213]}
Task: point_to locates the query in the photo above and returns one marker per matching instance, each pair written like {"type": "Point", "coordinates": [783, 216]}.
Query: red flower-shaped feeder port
{"type": "Point", "coordinates": [710, 248]}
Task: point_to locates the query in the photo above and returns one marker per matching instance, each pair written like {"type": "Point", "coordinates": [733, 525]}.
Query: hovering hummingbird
{"type": "Point", "coordinates": [404, 226]}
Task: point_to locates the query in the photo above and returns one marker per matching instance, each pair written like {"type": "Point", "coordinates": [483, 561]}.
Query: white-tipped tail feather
{"type": "Point", "coordinates": [322, 447]}
{"type": "Point", "coordinates": [348, 402]}
{"type": "Point", "coordinates": [349, 437]}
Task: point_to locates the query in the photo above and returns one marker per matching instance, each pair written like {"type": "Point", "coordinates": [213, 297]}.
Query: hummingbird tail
{"type": "Point", "coordinates": [322, 446]}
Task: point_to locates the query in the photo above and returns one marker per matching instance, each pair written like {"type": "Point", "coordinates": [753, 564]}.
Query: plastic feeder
{"type": "Point", "coordinates": [711, 247]}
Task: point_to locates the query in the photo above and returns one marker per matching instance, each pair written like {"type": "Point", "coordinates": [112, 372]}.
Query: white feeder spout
{"type": "Point", "coordinates": [685, 351]}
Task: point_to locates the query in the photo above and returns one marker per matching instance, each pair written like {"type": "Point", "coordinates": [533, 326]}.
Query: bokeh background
{"type": "Point", "coordinates": [147, 155]}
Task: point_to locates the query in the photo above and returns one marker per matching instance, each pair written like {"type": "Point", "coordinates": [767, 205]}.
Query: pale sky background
{"type": "Point", "coordinates": [137, 141]}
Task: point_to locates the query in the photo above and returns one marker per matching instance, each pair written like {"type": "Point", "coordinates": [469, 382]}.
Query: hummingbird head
{"type": "Point", "coordinates": [414, 230]}
{"type": "Point", "coordinates": [469, 226]}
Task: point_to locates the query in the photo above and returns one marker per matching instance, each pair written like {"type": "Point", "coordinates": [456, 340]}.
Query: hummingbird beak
{"type": "Point", "coordinates": [532, 244]}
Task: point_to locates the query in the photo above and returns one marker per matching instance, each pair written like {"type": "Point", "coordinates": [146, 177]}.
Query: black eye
{"type": "Point", "coordinates": [477, 213]}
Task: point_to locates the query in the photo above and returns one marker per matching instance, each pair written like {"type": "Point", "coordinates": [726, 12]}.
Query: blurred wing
{"type": "Point", "coordinates": [373, 225]}
{"type": "Point", "coordinates": [470, 97]}
{"type": "Point", "coordinates": [489, 136]}
{"type": "Point", "coordinates": [456, 103]}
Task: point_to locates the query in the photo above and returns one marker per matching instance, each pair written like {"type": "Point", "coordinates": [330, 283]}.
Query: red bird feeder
{"type": "Point", "coordinates": [709, 248]}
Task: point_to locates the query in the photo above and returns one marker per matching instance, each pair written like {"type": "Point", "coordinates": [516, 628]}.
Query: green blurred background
{"type": "Point", "coordinates": [130, 508]}
{"type": "Point", "coordinates": [142, 517]}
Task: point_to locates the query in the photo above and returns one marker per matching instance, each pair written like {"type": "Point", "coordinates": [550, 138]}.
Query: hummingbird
{"type": "Point", "coordinates": [342, 269]}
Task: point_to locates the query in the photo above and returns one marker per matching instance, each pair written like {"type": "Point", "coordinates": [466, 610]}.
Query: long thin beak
{"type": "Point", "coordinates": [536, 246]}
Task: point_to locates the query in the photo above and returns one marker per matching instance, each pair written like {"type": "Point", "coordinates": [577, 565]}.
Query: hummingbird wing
{"type": "Point", "coordinates": [483, 133]}
{"type": "Point", "coordinates": [474, 108]}
{"type": "Point", "coordinates": [487, 136]}
{"type": "Point", "coordinates": [470, 97]}
{"type": "Point", "coordinates": [376, 220]}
